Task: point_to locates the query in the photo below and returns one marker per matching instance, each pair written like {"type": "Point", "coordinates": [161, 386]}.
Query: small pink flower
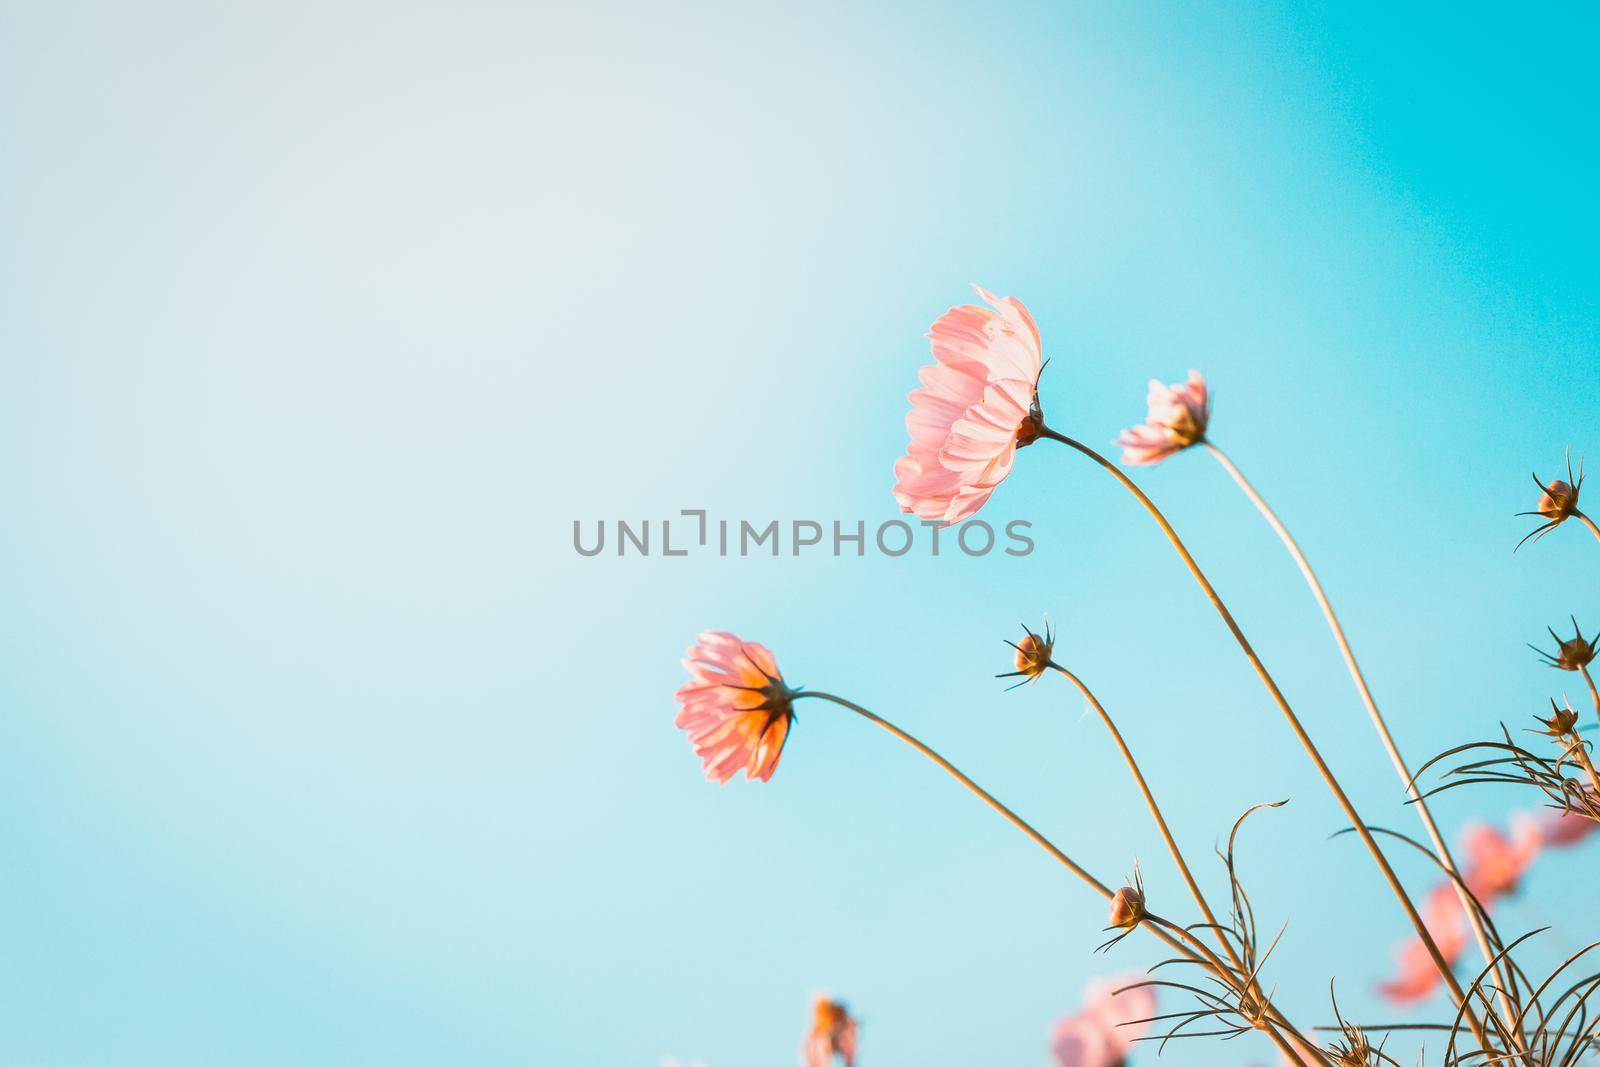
{"type": "Point", "coordinates": [1446, 923]}
{"type": "Point", "coordinates": [976, 407]}
{"type": "Point", "coordinates": [1495, 863]}
{"type": "Point", "coordinates": [1177, 419]}
{"type": "Point", "coordinates": [1105, 1028]}
{"type": "Point", "coordinates": [736, 708]}
{"type": "Point", "coordinates": [833, 1033]}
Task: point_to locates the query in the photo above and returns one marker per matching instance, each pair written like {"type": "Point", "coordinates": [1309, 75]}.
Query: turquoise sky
{"type": "Point", "coordinates": [321, 323]}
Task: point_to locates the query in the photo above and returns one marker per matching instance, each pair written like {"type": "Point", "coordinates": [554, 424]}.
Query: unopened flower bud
{"type": "Point", "coordinates": [1033, 654]}
{"type": "Point", "coordinates": [1573, 653]}
{"type": "Point", "coordinates": [1558, 501]}
{"type": "Point", "coordinates": [1561, 722]}
{"type": "Point", "coordinates": [1127, 907]}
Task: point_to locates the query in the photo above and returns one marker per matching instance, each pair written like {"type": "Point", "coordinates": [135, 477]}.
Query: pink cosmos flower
{"type": "Point", "coordinates": [977, 406]}
{"type": "Point", "coordinates": [1446, 923]}
{"type": "Point", "coordinates": [1103, 1031]}
{"type": "Point", "coordinates": [736, 708]}
{"type": "Point", "coordinates": [1177, 419]}
{"type": "Point", "coordinates": [1496, 863]}
{"type": "Point", "coordinates": [833, 1033]}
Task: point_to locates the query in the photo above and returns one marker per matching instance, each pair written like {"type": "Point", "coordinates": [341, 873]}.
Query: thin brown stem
{"type": "Point", "coordinates": [983, 794]}
{"type": "Point", "coordinates": [1594, 694]}
{"type": "Point", "coordinates": [1155, 812]}
{"type": "Point", "coordinates": [1580, 752]}
{"type": "Point", "coordinates": [988, 798]}
{"type": "Point", "coordinates": [1299, 730]}
{"type": "Point", "coordinates": [1253, 987]}
{"type": "Point", "coordinates": [1587, 521]}
{"type": "Point", "coordinates": [1440, 849]}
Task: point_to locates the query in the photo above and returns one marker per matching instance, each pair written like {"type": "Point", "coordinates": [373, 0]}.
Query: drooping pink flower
{"type": "Point", "coordinates": [976, 407]}
{"type": "Point", "coordinates": [736, 708]}
{"type": "Point", "coordinates": [1446, 923]}
{"type": "Point", "coordinates": [1177, 419]}
{"type": "Point", "coordinates": [1496, 863]}
{"type": "Point", "coordinates": [1115, 1013]}
{"type": "Point", "coordinates": [833, 1033]}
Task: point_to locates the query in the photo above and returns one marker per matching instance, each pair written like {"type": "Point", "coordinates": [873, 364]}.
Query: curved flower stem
{"type": "Point", "coordinates": [1239, 968]}
{"type": "Point", "coordinates": [983, 794]}
{"type": "Point", "coordinates": [1180, 943]}
{"type": "Point", "coordinates": [1350, 813]}
{"type": "Point", "coordinates": [1440, 849]}
{"type": "Point", "coordinates": [1155, 811]}
{"type": "Point", "coordinates": [1587, 521]}
{"type": "Point", "coordinates": [1579, 749]}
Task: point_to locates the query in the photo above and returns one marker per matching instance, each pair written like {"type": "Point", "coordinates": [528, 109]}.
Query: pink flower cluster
{"type": "Point", "coordinates": [1492, 866]}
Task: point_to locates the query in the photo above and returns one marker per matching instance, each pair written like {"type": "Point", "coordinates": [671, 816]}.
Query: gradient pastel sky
{"type": "Point", "coordinates": [321, 323]}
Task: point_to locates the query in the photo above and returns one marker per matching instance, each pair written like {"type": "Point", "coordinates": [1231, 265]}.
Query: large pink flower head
{"type": "Point", "coordinates": [978, 404]}
{"type": "Point", "coordinates": [736, 707]}
{"type": "Point", "coordinates": [1496, 863]}
{"type": "Point", "coordinates": [1177, 419]}
{"type": "Point", "coordinates": [833, 1033]}
{"type": "Point", "coordinates": [1115, 1013]}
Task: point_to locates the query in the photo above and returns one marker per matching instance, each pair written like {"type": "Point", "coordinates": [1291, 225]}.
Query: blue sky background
{"type": "Point", "coordinates": [320, 323]}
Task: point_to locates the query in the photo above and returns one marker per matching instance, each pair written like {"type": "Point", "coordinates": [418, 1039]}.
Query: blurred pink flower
{"type": "Point", "coordinates": [1084, 1041]}
{"type": "Point", "coordinates": [1177, 419]}
{"type": "Point", "coordinates": [833, 1033]}
{"type": "Point", "coordinates": [736, 708]}
{"type": "Point", "coordinates": [1126, 1011]}
{"type": "Point", "coordinates": [1446, 923]}
{"type": "Point", "coordinates": [975, 408]}
{"type": "Point", "coordinates": [1558, 829]}
{"type": "Point", "coordinates": [1495, 863]}
{"type": "Point", "coordinates": [1105, 1028]}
